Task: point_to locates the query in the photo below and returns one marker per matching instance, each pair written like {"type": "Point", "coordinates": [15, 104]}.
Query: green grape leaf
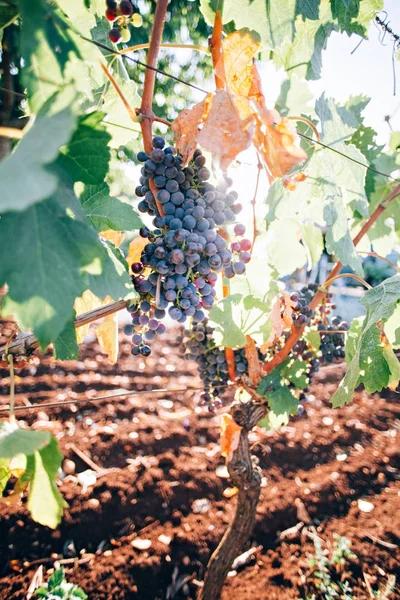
{"type": "Point", "coordinates": [334, 187]}
{"type": "Point", "coordinates": [87, 155]}
{"type": "Point", "coordinates": [45, 502]}
{"type": "Point", "coordinates": [5, 474]}
{"type": "Point", "coordinates": [65, 346]}
{"type": "Point", "coordinates": [47, 46]}
{"type": "Point", "coordinates": [294, 98]}
{"type": "Point", "coordinates": [8, 14]}
{"type": "Point", "coordinates": [313, 338]}
{"type": "Point", "coordinates": [394, 366]}
{"type": "Point", "coordinates": [392, 328]}
{"type": "Point", "coordinates": [374, 369]}
{"type": "Point", "coordinates": [352, 337]}
{"type": "Point", "coordinates": [369, 363]}
{"type": "Point", "coordinates": [244, 311]}
{"type": "Point", "coordinates": [14, 440]}
{"type": "Point", "coordinates": [51, 129]}
{"type": "Point", "coordinates": [303, 55]}
{"type": "Point", "coordinates": [279, 397]}
{"type": "Point", "coordinates": [296, 373]}
{"type": "Point", "coordinates": [381, 301]}
{"type": "Point", "coordinates": [115, 280]}
{"type": "Point", "coordinates": [273, 421]}
{"type": "Point", "coordinates": [56, 579]}
{"type": "Point", "coordinates": [53, 266]}
{"type": "Point", "coordinates": [355, 16]}
{"type": "Point", "coordinates": [285, 258]}
{"type": "Point", "coordinates": [107, 212]}
{"type": "Point", "coordinates": [117, 120]}
{"type": "Point", "coordinates": [313, 241]}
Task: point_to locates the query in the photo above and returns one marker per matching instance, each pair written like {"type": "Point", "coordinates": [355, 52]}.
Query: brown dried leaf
{"type": "Point", "coordinates": [116, 237]}
{"type": "Point", "coordinates": [186, 127]}
{"type": "Point", "coordinates": [275, 139]}
{"type": "Point", "coordinates": [254, 365]}
{"type": "Point", "coordinates": [230, 435]}
{"type": "Point", "coordinates": [281, 316]}
{"type": "Point", "coordinates": [229, 127]}
{"type": "Point", "coordinates": [239, 49]}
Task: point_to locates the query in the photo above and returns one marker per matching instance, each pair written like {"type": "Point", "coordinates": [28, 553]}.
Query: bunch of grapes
{"type": "Point", "coordinates": [302, 313]}
{"type": "Point", "coordinates": [198, 345]}
{"type": "Point", "coordinates": [121, 14]}
{"type": "Point", "coordinates": [146, 325]}
{"type": "Point", "coordinates": [179, 266]}
{"type": "Point", "coordinates": [332, 344]}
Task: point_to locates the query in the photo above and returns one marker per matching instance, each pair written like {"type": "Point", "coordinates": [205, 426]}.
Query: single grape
{"type": "Point", "coordinates": [128, 329]}
{"type": "Point", "coordinates": [125, 35]}
{"type": "Point", "coordinates": [115, 35]}
{"type": "Point", "coordinates": [145, 350]}
{"type": "Point", "coordinates": [239, 268]}
{"type": "Point", "coordinates": [126, 8]}
{"type": "Point", "coordinates": [245, 245]}
{"type": "Point", "coordinates": [239, 229]}
{"type": "Point", "coordinates": [111, 15]}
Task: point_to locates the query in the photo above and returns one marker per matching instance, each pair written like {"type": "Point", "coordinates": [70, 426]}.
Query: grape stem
{"type": "Point", "coordinates": [329, 281]}
{"type": "Point", "coordinates": [298, 332]}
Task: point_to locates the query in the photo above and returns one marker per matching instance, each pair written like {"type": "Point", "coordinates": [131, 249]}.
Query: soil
{"type": "Point", "coordinates": [157, 453]}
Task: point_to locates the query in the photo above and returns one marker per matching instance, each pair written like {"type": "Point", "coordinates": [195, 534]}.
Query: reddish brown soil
{"type": "Point", "coordinates": [161, 464]}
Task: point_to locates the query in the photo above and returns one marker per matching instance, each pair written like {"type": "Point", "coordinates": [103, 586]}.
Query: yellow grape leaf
{"type": "Point", "coordinates": [186, 127]}
{"type": "Point", "coordinates": [281, 317]}
{"type": "Point", "coordinates": [229, 127]}
{"type": "Point", "coordinates": [135, 250]}
{"type": "Point", "coordinates": [88, 301]}
{"type": "Point", "coordinates": [239, 49]}
{"type": "Point", "coordinates": [275, 138]}
{"type": "Point", "coordinates": [107, 331]}
{"type": "Point", "coordinates": [116, 237]}
{"type": "Point", "coordinates": [230, 435]}
{"type": "Point", "coordinates": [107, 334]}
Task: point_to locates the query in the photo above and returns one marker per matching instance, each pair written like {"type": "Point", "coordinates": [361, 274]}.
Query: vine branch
{"type": "Point", "coordinates": [26, 343]}
{"type": "Point", "coordinates": [146, 107]}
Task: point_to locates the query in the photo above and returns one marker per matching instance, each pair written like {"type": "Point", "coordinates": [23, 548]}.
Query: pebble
{"type": "Point", "coordinates": [365, 506]}
{"type": "Point", "coordinates": [201, 506]}
{"type": "Point", "coordinates": [69, 466]}
{"type": "Point", "coordinates": [141, 544]}
{"type": "Point", "coordinates": [93, 503]}
{"type": "Point", "coordinates": [165, 539]}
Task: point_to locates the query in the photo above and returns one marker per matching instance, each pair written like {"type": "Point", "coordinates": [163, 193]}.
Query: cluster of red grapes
{"type": "Point", "coordinates": [121, 15]}
{"type": "Point", "coordinates": [302, 313]}
{"type": "Point", "coordinates": [179, 266]}
{"type": "Point", "coordinates": [197, 344]}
